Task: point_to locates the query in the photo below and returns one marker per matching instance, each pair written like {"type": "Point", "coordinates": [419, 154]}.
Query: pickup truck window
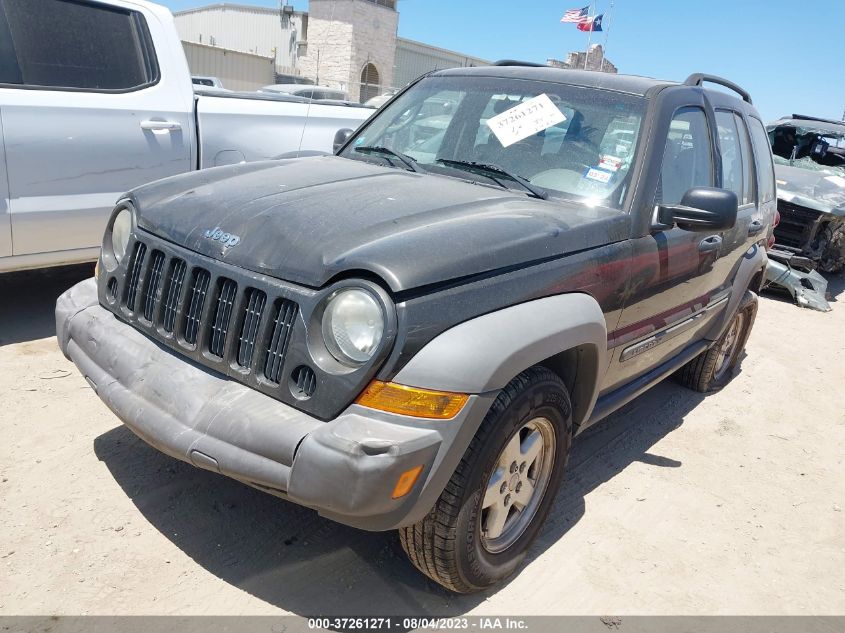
{"type": "Point", "coordinates": [76, 45]}
{"type": "Point", "coordinates": [688, 158]}
{"type": "Point", "coordinates": [442, 124]}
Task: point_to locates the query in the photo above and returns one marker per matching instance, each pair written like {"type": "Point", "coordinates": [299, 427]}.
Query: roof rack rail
{"type": "Point", "coordinates": [516, 62]}
{"type": "Point", "coordinates": [696, 79]}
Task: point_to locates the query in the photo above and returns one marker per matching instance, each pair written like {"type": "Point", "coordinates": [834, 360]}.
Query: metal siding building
{"type": "Point", "coordinates": [237, 70]}
{"type": "Point", "coordinates": [415, 58]}
{"type": "Point", "coordinates": [258, 30]}
{"type": "Point", "coordinates": [284, 36]}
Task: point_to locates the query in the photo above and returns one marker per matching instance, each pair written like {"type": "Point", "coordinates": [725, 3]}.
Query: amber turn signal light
{"type": "Point", "coordinates": [406, 481]}
{"type": "Point", "coordinates": [419, 403]}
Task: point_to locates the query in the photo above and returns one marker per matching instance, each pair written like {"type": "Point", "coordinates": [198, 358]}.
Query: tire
{"type": "Point", "coordinates": [448, 544]}
{"type": "Point", "coordinates": [832, 259]}
{"type": "Point", "coordinates": [713, 368]}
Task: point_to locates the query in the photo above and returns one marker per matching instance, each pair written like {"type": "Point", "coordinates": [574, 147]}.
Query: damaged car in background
{"type": "Point", "coordinates": [809, 156]}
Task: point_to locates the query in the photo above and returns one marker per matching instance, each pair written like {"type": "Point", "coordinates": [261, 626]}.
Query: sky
{"type": "Point", "coordinates": [781, 51]}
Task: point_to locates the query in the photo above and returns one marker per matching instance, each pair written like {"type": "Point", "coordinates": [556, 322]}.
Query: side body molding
{"type": "Point", "coordinates": [566, 332]}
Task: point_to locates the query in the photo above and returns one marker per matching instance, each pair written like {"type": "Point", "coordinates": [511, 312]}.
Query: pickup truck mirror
{"type": "Point", "coordinates": [340, 138]}
{"type": "Point", "coordinates": [701, 209]}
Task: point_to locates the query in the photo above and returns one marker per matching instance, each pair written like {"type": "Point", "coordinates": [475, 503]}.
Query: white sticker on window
{"type": "Point", "coordinates": [525, 119]}
{"type": "Point", "coordinates": [610, 163]}
{"type": "Point", "coordinates": [599, 175]}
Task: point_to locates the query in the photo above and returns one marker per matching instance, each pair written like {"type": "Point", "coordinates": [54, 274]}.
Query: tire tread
{"type": "Point", "coordinates": [431, 544]}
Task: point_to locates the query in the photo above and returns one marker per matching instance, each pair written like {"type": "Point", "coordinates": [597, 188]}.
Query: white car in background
{"type": "Point", "coordinates": [380, 100]}
{"type": "Point", "coordinates": [110, 105]}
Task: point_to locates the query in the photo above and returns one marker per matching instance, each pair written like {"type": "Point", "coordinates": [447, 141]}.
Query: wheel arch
{"type": "Point", "coordinates": [565, 333]}
{"type": "Point", "coordinates": [579, 368]}
{"type": "Point", "coordinates": [749, 276]}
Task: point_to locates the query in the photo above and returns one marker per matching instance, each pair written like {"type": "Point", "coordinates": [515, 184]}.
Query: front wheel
{"type": "Point", "coordinates": [494, 505]}
{"type": "Point", "coordinates": [833, 257]}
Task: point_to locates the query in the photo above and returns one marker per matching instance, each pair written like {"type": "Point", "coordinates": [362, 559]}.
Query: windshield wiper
{"type": "Point", "coordinates": [408, 161]}
{"type": "Point", "coordinates": [487, 169]}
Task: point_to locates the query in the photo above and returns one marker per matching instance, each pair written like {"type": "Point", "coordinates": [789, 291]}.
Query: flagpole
{"type": "Point", "coordinates": [606, 35]}
{"type": "Point", "coordinates": [589, 37]}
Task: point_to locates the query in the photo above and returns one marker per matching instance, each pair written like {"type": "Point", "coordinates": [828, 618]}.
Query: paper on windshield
{"type": "Point", "coordinates": [525, 119]}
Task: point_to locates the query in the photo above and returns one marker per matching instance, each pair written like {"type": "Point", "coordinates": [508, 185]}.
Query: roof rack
{"type": "Point", "coordinates": [516, 62]}
{"type": "Point", "coordinates": [697, 79]}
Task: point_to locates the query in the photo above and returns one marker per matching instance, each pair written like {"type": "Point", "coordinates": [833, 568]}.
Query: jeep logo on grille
{"type": "Point", "coordinates": [227, 239]}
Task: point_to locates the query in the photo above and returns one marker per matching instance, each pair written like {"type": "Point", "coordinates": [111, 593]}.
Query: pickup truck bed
{"type": "Point", "coordinates": [91, 117]}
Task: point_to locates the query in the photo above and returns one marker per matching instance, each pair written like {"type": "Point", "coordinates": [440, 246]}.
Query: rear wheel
{"type": "Point", "coordinates": [713, 369]}
{"type": "Point", "coordinates": [494, 505]}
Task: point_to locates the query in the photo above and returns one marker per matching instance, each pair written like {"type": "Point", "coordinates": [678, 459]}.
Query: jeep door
{"type": "Point", "coordinates": [5, 217]}
{"type": "Point", "coordinates": [88, 113]}
{"type": "Point", "coordinates": [679, 279]}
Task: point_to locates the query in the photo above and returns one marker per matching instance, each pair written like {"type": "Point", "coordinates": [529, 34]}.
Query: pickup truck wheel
{"type": "Point", "coordinates": [833, 257]}
{"type": "Point", "coordinates": [494, 505]}
{"type": "Point", "coordinates": [713, 369]}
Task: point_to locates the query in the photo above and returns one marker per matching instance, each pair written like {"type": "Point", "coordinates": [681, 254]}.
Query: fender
{"type": "Point", "coordinates": [485, 353]}
{"type": "Point", "coordinates": [753, 262]}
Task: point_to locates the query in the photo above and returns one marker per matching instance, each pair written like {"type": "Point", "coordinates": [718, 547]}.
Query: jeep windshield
{"type": "Point", "coordinates": [538, 138]}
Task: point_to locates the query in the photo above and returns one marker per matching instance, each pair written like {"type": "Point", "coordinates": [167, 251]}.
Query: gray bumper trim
{"type": "Point", "coordinates": [345, 468]}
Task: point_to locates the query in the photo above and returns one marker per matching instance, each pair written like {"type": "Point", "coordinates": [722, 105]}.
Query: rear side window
{"type": "Point", "coordinates": [70, 44]}
{"type": "Point", "coordinates": [763, 154]}
{"type": "Point", "coordinates": [731, 154]}
{"type": "Point", "coordinates": [687, 158]}
{"type": "Point", "coordinates": [749, 184]}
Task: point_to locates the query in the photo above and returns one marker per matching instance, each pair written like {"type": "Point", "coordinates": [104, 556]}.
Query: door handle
{"type": "Point", "coordinates": [155, 126]}
{"type": "Point", "coordinates": [755, 227]}
{"type": "Point", "coordinates": [712, 243]}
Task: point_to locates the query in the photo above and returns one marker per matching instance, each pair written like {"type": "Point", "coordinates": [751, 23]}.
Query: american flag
{"type": "Point", "coordinates": [576, 15]}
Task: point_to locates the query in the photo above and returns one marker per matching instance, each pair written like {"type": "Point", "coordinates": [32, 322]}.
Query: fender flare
{"type": "Point", "coordinates": [753, 261]}
{"type": "Point", "coordinates": [567, 332]}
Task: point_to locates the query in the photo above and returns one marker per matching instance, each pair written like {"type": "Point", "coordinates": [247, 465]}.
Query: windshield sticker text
{"type": "Point", "coordinates": [599, 175]}
{"type": "Point", "coordinates": [524, 120]}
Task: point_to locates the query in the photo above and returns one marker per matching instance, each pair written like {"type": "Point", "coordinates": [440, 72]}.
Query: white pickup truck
{"type": "Point", "coordinates": [95, 99]}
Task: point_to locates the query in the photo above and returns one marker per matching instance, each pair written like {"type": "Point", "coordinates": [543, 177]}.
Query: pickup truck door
{"type": "Point", "coordinates": [5, 221]}
{"type": "Point", "coordinates": [679, 280]}
{"type": "Point", "coordinates": [92, 107]}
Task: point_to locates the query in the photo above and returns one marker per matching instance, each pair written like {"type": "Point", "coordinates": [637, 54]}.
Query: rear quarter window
{"type": "Point", "coordinates": [72, 44]}
{"type": "Point", "coordinates": [763, 159]}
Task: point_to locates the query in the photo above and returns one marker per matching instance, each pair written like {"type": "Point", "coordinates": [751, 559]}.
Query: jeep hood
{"type": "Point", "coordinates": [308, 220]}
{"type": "Point", "coordinates": [812, 188]}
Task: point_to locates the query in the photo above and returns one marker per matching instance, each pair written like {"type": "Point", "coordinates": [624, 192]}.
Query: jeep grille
{"type": "Point", "coordinates": [204, 309]}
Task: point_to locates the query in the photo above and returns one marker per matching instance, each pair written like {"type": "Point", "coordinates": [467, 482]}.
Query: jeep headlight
{"type": "Point", "coordinates": [120, 230]}
{"type": "Point", "coordinates": [353, 325]}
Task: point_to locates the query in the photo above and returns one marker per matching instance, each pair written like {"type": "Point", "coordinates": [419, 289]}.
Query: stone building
{"type": "Point", "coordinates": [592, 59]}
{"type": "Point", "coordinates": [346, 44]}
{"type": "Point", "coordinates": [351, 44]}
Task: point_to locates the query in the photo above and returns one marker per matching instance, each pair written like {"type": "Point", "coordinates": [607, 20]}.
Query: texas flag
{"type": "Point", "coordinates": [591, 24]}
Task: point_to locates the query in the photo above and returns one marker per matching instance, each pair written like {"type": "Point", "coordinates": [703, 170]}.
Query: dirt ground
{"type": "Point", "coordinates": [679, 504]}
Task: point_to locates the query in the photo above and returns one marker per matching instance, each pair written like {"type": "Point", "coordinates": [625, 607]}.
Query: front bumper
{"type": "Point", "coordinates": [346, 468]}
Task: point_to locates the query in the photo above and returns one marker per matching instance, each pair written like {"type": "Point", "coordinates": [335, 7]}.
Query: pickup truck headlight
{"type": "Point", "coordinates": [353, 325]}
{"type": "Point", "coordinates": [121, 228]}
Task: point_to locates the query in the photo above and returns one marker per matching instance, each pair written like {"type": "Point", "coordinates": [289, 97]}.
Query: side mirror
{"type": "Point", "coordinates": [340, 138]}
{"type": "Point", "coordinates": [701, 209]}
